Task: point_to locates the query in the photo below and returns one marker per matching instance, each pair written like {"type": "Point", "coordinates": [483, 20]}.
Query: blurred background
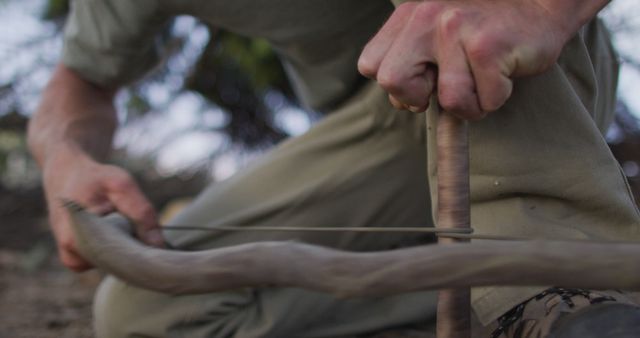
{"type": "Point", "coordinates": [216, 102]}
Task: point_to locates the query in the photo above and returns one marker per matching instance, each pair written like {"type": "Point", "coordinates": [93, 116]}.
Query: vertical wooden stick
{"type": "Point", "coordinates": [453, 211]}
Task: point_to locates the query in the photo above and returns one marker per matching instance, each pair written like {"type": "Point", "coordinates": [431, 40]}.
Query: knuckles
{"type": "Point", "coordinates": [366, 66]}
{"type": "Point", "coordinates": [483, 49]}
{"type": "Point", "coordinates": [496, 100]}
{"type": "Point", "coordinates": [484, 45]}
{"type": "Point", "coordinates": [413, 92]}
{"type": "Point", "coordinates": [492, 104]}
{"type": "Point", "coordinates": [452, 102]}
{"type": "Point", "coordinates": [121, 182]}
{"type": "Point", "coordinates": [460, 103]}
{"type": "Point", "coordinates": [427, 12]}
{"type": "Point", "coordinates": [390, 81]}
{"type": "Point", "coordinates": [450, 22]}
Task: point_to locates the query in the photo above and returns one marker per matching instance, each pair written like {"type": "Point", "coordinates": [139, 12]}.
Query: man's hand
{"type": "Point", "coordinates": [69, 135]}
{"type": "Point", "coordinates": [472, 49]}
{"type": "Point", "coordinates": [102, 189]}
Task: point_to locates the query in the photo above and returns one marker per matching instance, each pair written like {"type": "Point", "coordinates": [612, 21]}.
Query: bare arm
{"type": "Point", "coordinates": [573, 14]}
{"type": "Point", "coordinates": [476, 47]}
{"type": "Point", "coordinates": [74, 116]}
{"type": "Point", "coordinates": [70, 136]}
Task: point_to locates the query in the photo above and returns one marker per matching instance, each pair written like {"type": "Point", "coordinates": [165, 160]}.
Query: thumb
{"type": "Point", "coordinates": [126, 196]}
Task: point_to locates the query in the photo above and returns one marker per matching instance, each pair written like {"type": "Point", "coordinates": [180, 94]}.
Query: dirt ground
{"type": "Point", "coordinates": [39, 298]}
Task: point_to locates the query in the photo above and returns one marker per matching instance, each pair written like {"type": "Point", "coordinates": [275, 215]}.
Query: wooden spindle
{"type": "Point", "coordinates": [454, 317]}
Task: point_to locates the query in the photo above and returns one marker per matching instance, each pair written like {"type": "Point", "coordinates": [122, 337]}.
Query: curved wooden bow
{"type": "Point", "coordinates": [108, 244]}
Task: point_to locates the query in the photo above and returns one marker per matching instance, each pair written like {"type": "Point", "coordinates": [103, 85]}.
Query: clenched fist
{"type": "Point", "coordinates": [469, 50]}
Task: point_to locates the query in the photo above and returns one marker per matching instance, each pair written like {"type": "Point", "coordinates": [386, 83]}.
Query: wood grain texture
{"type": "Point", "coordinates": [454, 305]}
{"type": "Point", "coordinates": [108, 243]}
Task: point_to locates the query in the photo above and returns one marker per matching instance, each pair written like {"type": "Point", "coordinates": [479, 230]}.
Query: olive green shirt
{"type": "Point", "coordinates": [113, 42]}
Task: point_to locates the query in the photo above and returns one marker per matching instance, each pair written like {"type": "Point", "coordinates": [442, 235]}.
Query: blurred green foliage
{"type": "Point", "coordinates": [232, 72]}
{"type": "Point", "coordinates": [55, 9]}
{"type": "Point", "coordinates": [252, 57]}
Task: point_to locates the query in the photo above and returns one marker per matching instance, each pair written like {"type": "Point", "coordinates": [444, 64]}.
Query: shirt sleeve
{"type": "Point", "coordinates": [113, 42]}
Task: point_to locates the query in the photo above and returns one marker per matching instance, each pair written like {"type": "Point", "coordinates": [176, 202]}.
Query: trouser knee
{"type": "Point", "coordinates": [122, 310]}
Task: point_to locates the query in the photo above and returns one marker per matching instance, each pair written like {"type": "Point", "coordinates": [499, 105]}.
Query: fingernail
{"type": "Point", "coordinates": [154, 237]}
{"type": "Point", "coordinates": [415, 109]}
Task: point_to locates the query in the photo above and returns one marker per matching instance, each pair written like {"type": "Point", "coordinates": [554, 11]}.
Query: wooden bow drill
{"type": "Point", "coordinates": [108, 243]}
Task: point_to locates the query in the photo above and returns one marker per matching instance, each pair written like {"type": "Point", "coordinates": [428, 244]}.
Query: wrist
{"type": "Point", "coordinates": [570, 15]}
{"type": "Point", "coordinates": [62, 166]}
{"type": "Point", "coordinates": [73, 118]}
{"type": "Point", "coordinates": [63, 157]}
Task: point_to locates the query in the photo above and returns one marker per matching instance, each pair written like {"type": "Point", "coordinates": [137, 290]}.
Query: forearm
{"type": "Point", "coordinates": [573, 14]}
{"type": "Point", "coordinates": [74, 120]}
{"type": "Point", "coordinates": [570, 15]}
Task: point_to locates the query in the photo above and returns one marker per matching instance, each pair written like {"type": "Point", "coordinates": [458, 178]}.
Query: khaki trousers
{"type": "Point", "coordinates": [540, 167]}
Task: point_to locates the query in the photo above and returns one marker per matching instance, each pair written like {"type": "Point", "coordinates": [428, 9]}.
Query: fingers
{"type": "Point", "coordinates": [127, 198]}
{"type": "Point", "coordinates": [67, 251]}
{"type": "Point", "coordinates": [456, 85]}
{"type": "Point", "coordinates": [406, 71]}
{"type": "Point", "coordinates": [473, 75]}
{"type": "Point", "coordinates": [374, 52]}
{"type": "Point", "coordinates": [411, 85]}
{"type": "Point", "coordinates": [72, 260]}
{"type": "Point", "coordinates": [395, 58]}
{"type": "Point", "coordinates": [102, 189]}
{"type": "Point", "coordinates": [424, 86]}
{"type": "Point", "coordinates": [492, 73]}
{"type": "Point", "coordinates": [403, 72]}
